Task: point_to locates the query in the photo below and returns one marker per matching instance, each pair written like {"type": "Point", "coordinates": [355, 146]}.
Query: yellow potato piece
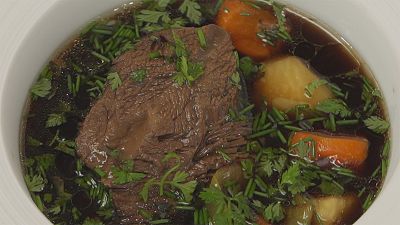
{"type": "Point", "coordinates": [299, 215]}
{"type": "Point", "coordinates": [334, 210]}
{"type": "Point", "coordinates": [284, 82]}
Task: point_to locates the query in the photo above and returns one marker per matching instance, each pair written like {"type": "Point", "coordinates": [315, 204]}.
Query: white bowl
{"type": "Point", "coordinates": [32, 30]}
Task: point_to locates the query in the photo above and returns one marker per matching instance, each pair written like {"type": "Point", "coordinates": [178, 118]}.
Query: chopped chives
{"type": "Point", "coordinates": [332, 122]}
{"type": "Point", "coordinates": [161, 221]}
{"type": "Point", "coordinates": [292, 128]}
{"type": "Point", "coordinates": [102, 31]}
{"type": "Point", "coordinates": [196, 217]}
{"type": "Point", "coordinates": [256, 122]}
{"type": "Point", "coordinates": [277, 114]}
{"type": "Point", "coordinates": [100, 56]}
{"type": "Point", "coordinates": [262, 133]}
{"type": "Point", "coordinates": [205, 216]}
{"type": "Point", "coordinates": [261, 194]}
{"type": "Point", "coordinates": [247, 109]}
{"type": "Point", "coordinates": [182, 207]}
{"type": "Point", "coordinates": [281, 137]}
{"type": "Point", "coordinates": [347, 122]}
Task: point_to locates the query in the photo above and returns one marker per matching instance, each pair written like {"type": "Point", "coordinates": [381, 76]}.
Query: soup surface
{"type": "Point", "coordinates": [214, 112]}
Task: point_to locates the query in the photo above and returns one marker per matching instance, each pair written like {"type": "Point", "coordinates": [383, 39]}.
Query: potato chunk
{"type": "Point", "coordinates": [333, 210]}
{"type": "Point", "coordinates": [284, 82]}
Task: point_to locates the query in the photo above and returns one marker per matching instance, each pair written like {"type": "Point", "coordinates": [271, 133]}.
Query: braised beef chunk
{"type": "Point", "coordinates": [145, 120]}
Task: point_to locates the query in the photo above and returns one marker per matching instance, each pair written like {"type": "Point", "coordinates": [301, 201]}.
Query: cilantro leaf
{"type": "Point", "coordinates": [334, 106]}
{"type": "Point", "coordinates": [377, 124]}
{"type": "Point", "coordinates": [115, 80]}
{"type": "Point", "coordinates": [192, 11]}
{"type": "Point", "coordinates": [55, 120]}
{"type": "Point", "coordinates": [152, 16]}
{"type": "Point", "coordinates": [35, 183]}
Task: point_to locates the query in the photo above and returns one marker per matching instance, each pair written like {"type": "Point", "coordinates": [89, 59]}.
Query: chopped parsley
{"type": "Point", "coordinates": [41, 88]}
{"type": "Point", "coordinates": [187, 71]}
{"type": "Point", "coordinates": [139, 75]}
{"type": "Point", "coordinates": [125, 173]}
{"type": "Point", "coordinates": [279, 32]}
{"type": "Point", "coordinates": [313, 86]}
{"type": "Point", "coordinates": [377, 124]}
{"type": "Point", "coordinates": [334, 106]}
{"type": "Point", "coordinates": [192, 11]}
{"type": "Point", "coordinates": [55, 119]}
{"type": "Point", "coordinates": [114, 80]}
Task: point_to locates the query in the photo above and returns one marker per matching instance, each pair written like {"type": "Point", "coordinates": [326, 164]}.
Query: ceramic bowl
{"type": "Point", "coordinates": [31, 32]}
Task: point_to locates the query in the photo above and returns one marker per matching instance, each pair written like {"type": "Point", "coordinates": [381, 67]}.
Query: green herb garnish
{"type": "Point", "coordinates": [139, 75]}
{"type": "Point", "coordinates": [377, 124]}
{"type": "Point", "coordinates": [114, 80]}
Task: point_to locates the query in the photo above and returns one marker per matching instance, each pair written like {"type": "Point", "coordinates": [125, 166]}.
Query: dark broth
{"type": "Point", "coordinates": [86, 197]}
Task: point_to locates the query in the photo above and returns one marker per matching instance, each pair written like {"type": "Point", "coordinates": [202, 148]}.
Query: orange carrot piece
{"type": "Point", "coordinates": [343, 150]}
{"type": "Point", "coordinates": [243, 21]}
{"type": "Point", "coordinates": [261, 221]}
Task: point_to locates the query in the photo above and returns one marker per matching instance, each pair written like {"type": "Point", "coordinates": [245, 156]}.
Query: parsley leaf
{"type": "Point", "coordinates": [163, 3]}
{"type": "Point", "coordinates": [235, 79]}
{"type": "Point", "coordinates": [139, 75]}
{"type": "Point", "coordinates": [66, 146]}
{"type": "Point", "coordinates": [125, 175]}
{"type": "Point", "coordinates": [144, 193]}
{"type": "Point", "coordinates": [274, 212]}
{"type": "Point", "coordinates": [334, 106]}
{"type": "Point", "coordinates": [33, 142]}
{"type": "Point", "coordinates": [247, 66]}
{"type": "Point", "coordinates": [232, 209]}
{"type": "Point", "coordinates": [187, 71]}
{"type": "Point", "coordinates": [187, 188]}
{"type": "Point", "coordinates": [55, 120]}
{"type": "Point", "coordinates": [192, 11]}
{"type": "Point", "coordinates": [377, 124]}
{"type": "Point", "coordinates": [295, 180]}
{"type": "Point", "coordinates": [45, 161]}
{"type": "Point", "coordinates": [41, 88]}
{"type": "Point", "coordinates": [35, 183]}
{"type": "Point", "coordinates": [313, 86]}
{"type": "Point", "coordinates": [151, 16]}
{"type": "Point", "coordinates": [115, 80]}
{"type": "Point", "coordinates": [330, 188]}
{"type": "Point", "coordinates": [91, 221]}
